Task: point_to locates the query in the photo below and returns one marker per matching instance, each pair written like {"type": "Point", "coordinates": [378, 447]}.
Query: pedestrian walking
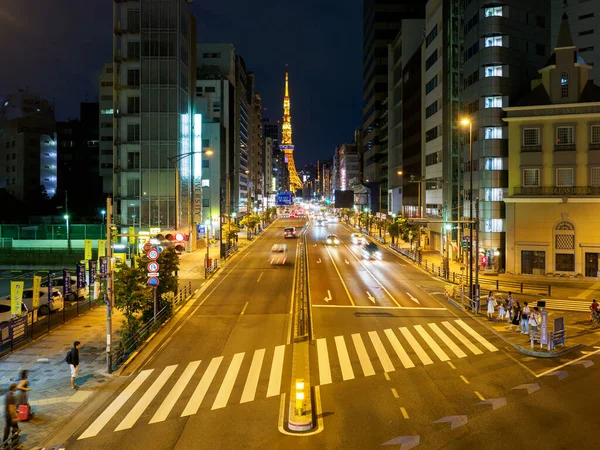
{"type": "Point", "coordinates": [525, 319]}
{"type": "Point", "coordinates": [10, 412]}
{"type": "Point", "coordinates": [23, 388]}
{"type": "Point", "coordinates": [516, 316]}
{"type": "Point", "coordinates": [491, 305]}
{"type": "Point", "coordinates": [501, 312]}
{"type": "Point", "coordinates": [510, 302]}
{"type": "Point", "coordinates": [72, 359]}
{"type": "Point", "coordinates": [593, 309]}
{"type": "Point", "coordinates": [534, 319]}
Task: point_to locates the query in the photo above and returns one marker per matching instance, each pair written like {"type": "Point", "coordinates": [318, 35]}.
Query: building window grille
{"type": "Point", "coordinates": [531, 136]}
{"type": "Point", "coordinates": [564, 135]}
{"type": "Point", "coordinates": [531, 177]}
{"type": "Point", "coordinates": [564, 84]}
{"type": "Point", "coordinates": [493, 71]}
{"type": "Point", "coordinates": [564, 177]}
{"type": "Point", "coordinates": [595, 176]}
{"type": "Point", "coordinates": [595, 134]}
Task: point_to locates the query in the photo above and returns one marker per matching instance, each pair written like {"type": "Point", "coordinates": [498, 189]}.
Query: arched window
{"type": "Point", "coordinates": [564, 84]}
{"type": "Point", "coordinates": [564, 247]}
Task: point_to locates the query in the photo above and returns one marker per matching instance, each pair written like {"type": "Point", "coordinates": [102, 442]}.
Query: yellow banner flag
{"type": "Point", "coordinates": [16, 297]}
{"type": "Point", "coordinates": [37, 282]}
{"type": "Point", "coordinates": [132, 235]}
{"type": "Point", "coordinates": [101, 247]}
{"type": "Point", "coordinates": [87, 249]}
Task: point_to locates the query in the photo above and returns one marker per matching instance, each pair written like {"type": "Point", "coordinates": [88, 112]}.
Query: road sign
{"type": "Point", "coordinates": [153, 274]}
{"type": "Point", "coordinates": [154, 281]}
{"type": "Point", "coordinates": [152, 254]}
{"type": "Point", "coordinates": [153, 267]}
{"type": "Point", "coordinates": [147, 246]}
{"type": "Point", "coordinates": [284, 198]}
{"type": "Point", "coordinates": [465, 243]}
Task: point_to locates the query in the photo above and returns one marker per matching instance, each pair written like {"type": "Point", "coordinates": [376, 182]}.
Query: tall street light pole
{"type": "Point", "coordinates": [466, 122]}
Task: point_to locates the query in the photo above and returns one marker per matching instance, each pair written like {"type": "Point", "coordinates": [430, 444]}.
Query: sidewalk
{"type": "Point", "coordinates": [51, 397]}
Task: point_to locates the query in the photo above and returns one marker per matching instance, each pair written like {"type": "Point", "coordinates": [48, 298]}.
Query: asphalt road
{"type": "Point", "coordinates": [390, 363]}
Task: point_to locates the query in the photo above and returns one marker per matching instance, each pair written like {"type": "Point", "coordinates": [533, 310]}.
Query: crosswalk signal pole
{"type": "Point", "coordinates": [109, 284]}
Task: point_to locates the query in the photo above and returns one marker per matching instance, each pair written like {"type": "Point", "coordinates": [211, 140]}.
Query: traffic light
{"type": "Point", "coordinates": [114, 234]}
{"type": "Point", "coordinates": [166, 239]}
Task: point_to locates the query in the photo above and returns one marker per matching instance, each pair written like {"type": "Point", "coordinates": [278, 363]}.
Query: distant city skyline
{"type": "Point", "coordinates": [61, 53]}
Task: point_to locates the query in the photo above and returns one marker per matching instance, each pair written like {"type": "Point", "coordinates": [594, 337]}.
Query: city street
{"type": "Point", "coordinates": [390, 364]}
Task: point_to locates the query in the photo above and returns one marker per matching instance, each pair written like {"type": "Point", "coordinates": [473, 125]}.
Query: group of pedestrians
{"type": "Point", "coordinates": [523, 318]}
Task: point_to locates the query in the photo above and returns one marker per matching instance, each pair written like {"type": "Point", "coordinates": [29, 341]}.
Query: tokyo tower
{"type": "Point", "coordinates": [287, 147]}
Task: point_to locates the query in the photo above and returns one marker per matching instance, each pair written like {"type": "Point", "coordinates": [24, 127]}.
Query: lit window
{"type": "Point", "coordinates": [493, 102]}
{"type": "Point", "coordinates": [493, 41]}
{"type": "Point", "coordinates": [494, 194]}
{"type": "Point", "coordinates": [106, 111]}
{"type": "Point", "coordinates": [595, 176]}
{"type": "Point", "coordinates": [493, 164]}
{"type": "Point", "coordinates": [564, 84]}
{"type": "Point", "coordinates": [564, 135]}
{"type": "Point", "coordinates": [531, 137]}
{"type": "Point", "coordinates": [493, 225]}
{"type": "Point", "coordinates": [493, 132]}
{"type": "Point", "coordinates": [531, 177]}
{"type": "Point", "coordinates": [595, 134]}
{"type": "Point", "coordinates": [493, 11]}
{"type": "Point", "coordinates": [205, 183]}
{"type": "Point", "coordinates": [564, 177]}
{"type": "Point", "coordinates": [493, 71]}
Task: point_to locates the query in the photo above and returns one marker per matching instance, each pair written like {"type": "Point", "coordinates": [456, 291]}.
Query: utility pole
{"type": "Point", "coordinates": [109, 284]}
{"type": "Point", "coordinates": [477, 251]}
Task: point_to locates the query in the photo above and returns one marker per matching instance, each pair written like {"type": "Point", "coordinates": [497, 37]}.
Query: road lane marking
{"type": "Point", "coordinates": [373, 276]}
{"type": "Point", "coordinates": [329, 297]}
{"type": "Point", "coordinates": [244, 309]}
{"type": "Point", "coordinates": [449, 342]}
{"type": "Point", "coordinates": [116, 405]}
{"type": "Point", "coordinates": [404, 413]}
{"type": "Point", "coordinates": [340, 276]}
{"type": "Point", "coordinates": [135, 412]}
{"type": "Point", "coordinates": [319, 260]}
{"type": "Point", "coordinates": [413, 298]}
{"type": "Point", "coordinates": [291, 313]}
{"type": "Point", "coordinates": [228, 382]}
{"type": "Point", "coordinates": [458, 335]}
{"type": "Point", "coordinates": [451, 365]}
{"type": "Point", "coordinates": [260, 276]}
{"type": "Point", "coordinates": [588, 292]}
{"type": "Point", "coordinates": [567, 363]}
{"type": "Point", "coordinates": [462, 377]}
{"type": "Point", "coordinates": [403, 265]}
{"type": "Point", "coordinates": [253, 375]}
{"type": "Point", "coordinates": [419, 308]}
{"type": "Point", "coordinates": [323, 358]}
{"type": "Point", "coordinates": [404, 358]}
{"type": "Point", "coordinates": [371, 297]}
{"type": "Point", "coordinates": [424, 357]}
{"type": "Point", "coordinates": [476, 335]}
{"type": "Point", "coordinates": [434, 345]}
{"type": "Point", "coordinates": [363, 356]}
{"type": "Point", "coordinates": [479, 396]}
{"type": "Point", "coordinates": [386, 362]}
{"type": "Point", "coordinates": [395, 393]}
{"type": "Point", "coordinates": [387, 376]}
{"type": "Point", "coordinates": [344, 358]}
{"type": "Point", "coordinates": [276, 370]}
{"type": "Point", "coordinates": [169, 402]}
{"type": "Point", "coordinates": [196, 399]}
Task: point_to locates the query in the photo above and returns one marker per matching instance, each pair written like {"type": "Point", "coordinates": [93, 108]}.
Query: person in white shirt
{"type": "Point", "coordinates": [491, 305]}
{"type": "Point", "coordinates": [525, 319]}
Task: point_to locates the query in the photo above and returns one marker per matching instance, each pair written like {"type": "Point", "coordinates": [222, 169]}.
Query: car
{"type": "Point", "coordinates": [278, 254]}
{"type": "Point", "coordinates": [371, 251]}
{"type": "Point", "coordinates": [357, 238]}
{"type": "Point", "coordinates": [5, 307]}
{"type": "Point", "coordinates": [55, 304]}
{"type": "Point", "coordinates": [319, 223]}
{"type": "Point", "coordinates": [332, 239]}
{"type": "Point", "coordinates": [57, 282]}
{"type": "Point", "coordinates": [289, 232]}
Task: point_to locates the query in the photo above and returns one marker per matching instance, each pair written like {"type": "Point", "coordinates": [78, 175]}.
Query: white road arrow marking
{"type": "Point", "coordinates": [371, 297]}
{"type": "Point", "coordinates": [314, 245]}
{"type": "Point", "coordinates": [329, 297]}
{"type": "Point", "coordinates": [413, 299]}
{"type": "Point", "coordinates": [346, 261]}
{"type": "Point", "coordinates": [319, 261]}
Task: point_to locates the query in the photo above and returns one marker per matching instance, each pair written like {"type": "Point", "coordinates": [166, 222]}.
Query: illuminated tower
{"type": "Point", "coordinates": [287, 147]}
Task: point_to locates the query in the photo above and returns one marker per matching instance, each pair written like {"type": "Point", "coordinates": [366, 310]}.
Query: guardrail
{"type": "Point", "coordinates": [13, 442]}
{"type": "Point", "coordinates": [231, 250]}
{"type": "Point", "coordinates": [211, 269]}
{"type": "Point", "coordinates": [484, 283]}
{"type": "Point", "coordinates": [125, 348]}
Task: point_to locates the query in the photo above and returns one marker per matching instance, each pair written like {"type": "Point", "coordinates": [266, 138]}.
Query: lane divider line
{"type": "Point", "coordinates": [404, 413]}
{"type": "Point", "coordinates": [462, 377]}
{"type": "Point", "coordinates": [479, 396]}
{"type": "Point", "coordinates": [395, 393]}
{"type": "Point", "coordinates": [340, 276]}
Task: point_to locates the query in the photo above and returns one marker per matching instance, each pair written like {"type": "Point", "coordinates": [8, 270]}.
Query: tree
{"type": "Point", "coordinates": [394, 231]}
{"type": "Point", "coordinates": [168, 261]}
{"type": "Point", "coordinates": [250, 221]}
{"type": "Point", "coordinates": [230, 231]}
{"type": "Point", "coordinates": [132, 296]}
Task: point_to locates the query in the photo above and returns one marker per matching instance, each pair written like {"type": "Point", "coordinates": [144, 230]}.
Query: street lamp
{"type": "Point", "coordinates": [66, 217]}
{"type": "Point", "coordinates": [103, 212]}
{"type": "Point", "coordinates": [207, 225]}
{"type": "Point", "coordinates": [448, 228]}
{"type": "Point", "coordinates": [464, 122]}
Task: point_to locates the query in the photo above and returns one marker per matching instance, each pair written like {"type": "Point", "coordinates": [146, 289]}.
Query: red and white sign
{"type": "Point", "coordinates": [153, 267]}
{"type": "Point", "coordinates": [152, 254]}
{"type": "Point", "coordinates": [154, 281]}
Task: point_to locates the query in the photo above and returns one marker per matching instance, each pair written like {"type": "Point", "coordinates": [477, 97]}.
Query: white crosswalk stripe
{"type": "Point", "coordinates": [228, 382]}
{"type": "Point", "coordinates": [253, 375]}
{"type": "Point", "coordinates": [423, 356]}
{"type": "Point", "coordinates": [404, 358]}
{"type": "Point", "coordinates": [345, 365]}
{"type": "Point", "coordinates": [323, 358]}
{"type": "Point", "coordinates": [202, 388]}
{"type": "Point", "coordinates": [386, 362]}
{"type": "Point", "coordinates": [444, 337]}
{"type": "Point", "coordinates": [434, 346]}
{"type": "Point", "coordinates": [477, 336]}
{"type": "Point", "coordinates": [363, 356]}
{"type": "Point", "coordinates": [276, 371]}
{"type": "Point", "coordinates": [457, 334]}
{"type": "Point", "coordinates": [169, 402]}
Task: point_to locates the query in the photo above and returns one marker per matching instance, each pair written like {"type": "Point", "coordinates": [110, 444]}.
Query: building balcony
{"type": "Point", "coordinates": [565, 148]}
{"type": "Point", "coordinates": [531, 148]}
{"type": "Point", "coordinates": [594, 147]}
{"type": "Point", "coordinates": [556, 191]}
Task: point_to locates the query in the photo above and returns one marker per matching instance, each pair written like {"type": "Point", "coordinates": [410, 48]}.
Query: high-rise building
{"type": "Point", "coordinates": [349, 166]}
{"type": "Point", "coordinates": [275, 174]}
{"type": "Point", "coordinates": [106, 118]}
{"type": "Point", "coordinates": [404, 118]}
{"type": "Point", "coordinates": [256, 158]}
{"type": "Point", "coordinates": [554, 170]}
{"type": "Point", "coordinates": [382, 21]}
{"type": "Point", "coordinates": [584, 19]}
{"type": "Point", "coordinates": [28, 165]}
{"type": "Point", "coordinates": [505, 45]}
{"type": "Point", "coordinates": [239, 167]}
{"type": "Point", "coordinates": [154, 77]}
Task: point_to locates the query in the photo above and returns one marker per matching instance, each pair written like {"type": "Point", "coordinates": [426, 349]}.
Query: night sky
{"type": "Point", "coordinates": [57, 48]}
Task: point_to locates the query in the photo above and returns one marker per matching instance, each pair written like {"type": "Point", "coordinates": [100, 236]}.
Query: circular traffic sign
{"type": "Point", "coordinates": [152, 254]}
{"type": "Point", "coordinates": [153, 267]}
{"type": "Point", "coordinates": [153, 281]}
{"type": "Point", "coordinates": [147, 246]}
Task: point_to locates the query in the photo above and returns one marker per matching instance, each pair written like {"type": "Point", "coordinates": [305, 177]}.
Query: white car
{"type": "Point", "coordinates": [357, 238]}
{"type": "Point", "coordinates": [57, 282]}
{"type": "Point", "coordinates": [332, 239]}
{"type": "Point", "coordinates": [5, 307]}
{"type": "Point", "coordinates": [55, 304]}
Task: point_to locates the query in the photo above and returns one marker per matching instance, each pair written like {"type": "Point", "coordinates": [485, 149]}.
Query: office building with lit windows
{"type": "Point", "coordinates": [554, 170]}
{"type": "Point", "coordinates": [504, 46]}
{"type": "Point", "coordinates": [154, 78]}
